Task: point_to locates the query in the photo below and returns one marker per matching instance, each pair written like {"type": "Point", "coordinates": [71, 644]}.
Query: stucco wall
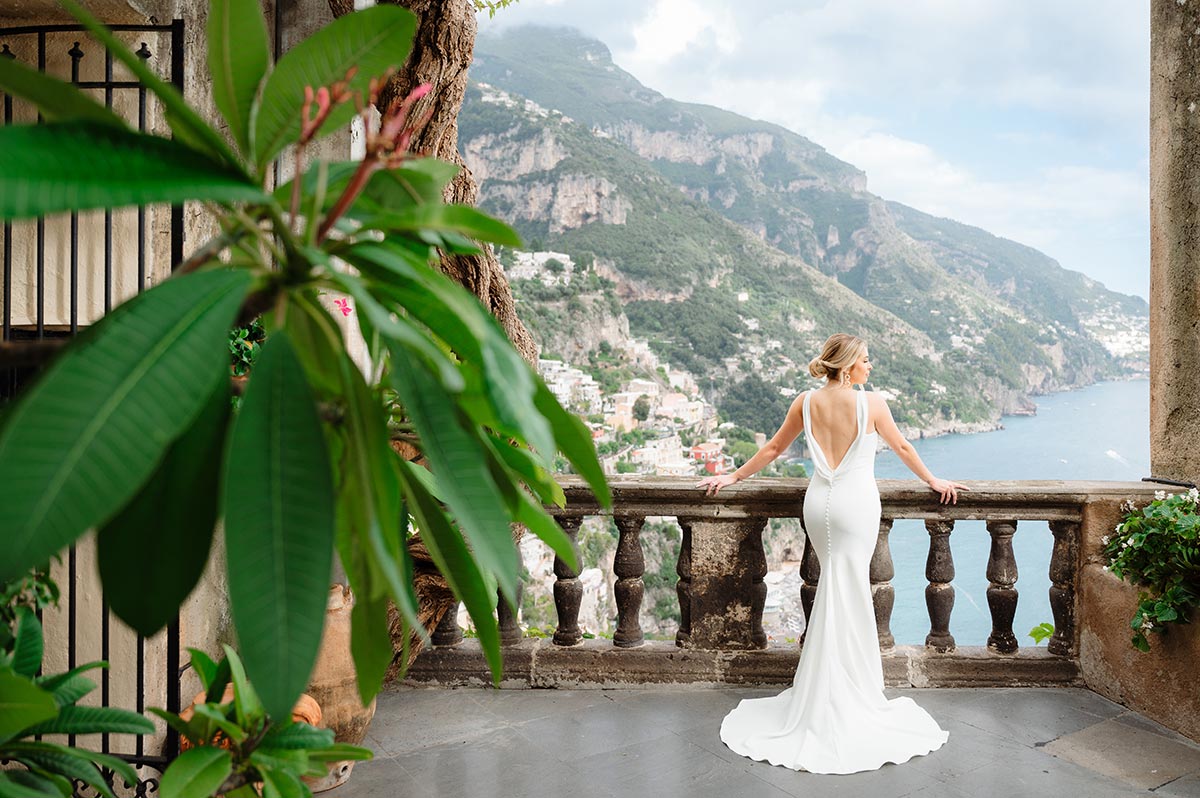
{"type": "Point", "coordinates": [1161, 684]}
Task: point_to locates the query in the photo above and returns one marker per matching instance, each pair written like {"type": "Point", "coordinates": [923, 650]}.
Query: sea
{"type": "Point", "coordinates": [1101, 432]}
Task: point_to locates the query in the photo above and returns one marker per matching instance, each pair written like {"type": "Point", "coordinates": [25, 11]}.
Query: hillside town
{"type": "Point", "coordinates": [651, 426]}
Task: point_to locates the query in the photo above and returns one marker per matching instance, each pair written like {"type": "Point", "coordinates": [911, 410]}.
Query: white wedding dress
{"type": "Point", "coordinates": [835, 718]}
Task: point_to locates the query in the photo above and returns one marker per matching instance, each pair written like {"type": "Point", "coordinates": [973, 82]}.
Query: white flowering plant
{"type": "Point", "coordinates": [1157, 548]}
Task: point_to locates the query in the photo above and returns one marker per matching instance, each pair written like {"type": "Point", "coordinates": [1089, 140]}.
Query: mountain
{"type": "Point", "coordinates": [736, 246]}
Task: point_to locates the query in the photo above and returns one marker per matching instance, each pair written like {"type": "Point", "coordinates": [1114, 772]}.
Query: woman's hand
{"type": "Point", "coordinates": [713, 484]}
{"type": "Point", "coordinates": [948, 490]}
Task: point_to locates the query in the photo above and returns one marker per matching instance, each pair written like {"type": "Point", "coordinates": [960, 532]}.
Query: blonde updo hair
{"type": "Point", "coordinates": [838, 354]}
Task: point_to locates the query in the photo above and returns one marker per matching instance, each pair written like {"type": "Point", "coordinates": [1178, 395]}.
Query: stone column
{"type": "Point", "coordinates": [726, 592]}
{"type": "Point", "coordinates": [883, 595]}
{"type": "Point", "coordinates": [1174, 240]}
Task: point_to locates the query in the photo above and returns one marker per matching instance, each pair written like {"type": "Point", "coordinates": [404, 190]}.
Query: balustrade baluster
{"type": "Point", "coordinates": [883, 595]}
{"type": "Point", "coordinates": [1062, 586]}
{"type": "Point", "coordinates": [568, 592]}
{"type": "Point", "coordinates": [448, 632]}
{"type": "Point", "coordinates": [756, 560]}
{"type": "Point", "coordinates": [1001, 595]}
{"type": "Point", "coordinates": [683, 588]}
{"type": "Point", "coordinates": [629, 564]}
{"type": "Point", "coordinates": [939, 593]}
{"type": "Point", "coordinates": [810, 572]}
{"type": "Point", "coordinates": [510, 629]}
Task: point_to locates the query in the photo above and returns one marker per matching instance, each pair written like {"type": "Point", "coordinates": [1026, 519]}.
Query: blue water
{"type": "Point", "coordinates": [1099, 432]}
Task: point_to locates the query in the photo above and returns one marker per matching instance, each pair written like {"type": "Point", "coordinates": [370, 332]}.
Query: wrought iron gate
{"type": "Point", "coordinates": [59, 275]}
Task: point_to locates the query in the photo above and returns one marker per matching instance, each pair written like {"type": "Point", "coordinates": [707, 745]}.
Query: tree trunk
{"type": "Point", "coordinates": [442, 50]}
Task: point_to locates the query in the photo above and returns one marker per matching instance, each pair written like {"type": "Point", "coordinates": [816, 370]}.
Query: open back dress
{"type": "Point", "coordinates": [835, 717]}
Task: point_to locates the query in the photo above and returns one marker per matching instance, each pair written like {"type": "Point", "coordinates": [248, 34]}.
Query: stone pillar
{"type": "Point", "coordinates": [726, 591]}
{"type": "Point", "coordinates": [683, 588]}
{"type": "Point", "coordinates": [1002, 591]}
{"type": "Point", "coordinates": [883, 595]}
{"type": "Point", "coordinates": [447, 632]}
{"type": "Point", "coordinates": [511, 633]}
{"type": "Point", "coordinates": [810, 572]}
{"type": "Point", "coordinates": [568, 591]}
{"type": "Point", "coordinates": [629, 565]}
{"type": "Point", "coordinates": [1174, 240]}
{"type": "Point", "coordinates": [939, 593]}
{"type": "Point", "coordinates": [1064, 561]}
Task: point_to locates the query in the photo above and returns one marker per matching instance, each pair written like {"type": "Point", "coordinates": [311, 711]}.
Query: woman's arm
{"type": "Point", "coordinates": [780, 441]}
{"type": "Point", "coordinates": [885, 425]}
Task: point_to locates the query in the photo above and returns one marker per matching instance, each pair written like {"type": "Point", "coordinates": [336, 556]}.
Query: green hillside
{"type": "Point", "coordinates": [686, 206]}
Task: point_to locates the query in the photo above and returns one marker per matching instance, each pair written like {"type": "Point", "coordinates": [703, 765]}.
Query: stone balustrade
{"type": "Point", "coordinates": [722, 564]}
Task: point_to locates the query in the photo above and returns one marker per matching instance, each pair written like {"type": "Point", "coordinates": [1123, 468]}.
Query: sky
{"type": "Point", "coordinates": [1026, 118]}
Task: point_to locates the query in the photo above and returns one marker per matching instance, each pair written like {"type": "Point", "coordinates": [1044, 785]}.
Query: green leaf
{"type": "Point", "coordinates": [90, 431]}
{"type": "Point", "coordinates": [297, 735]}
{"type": "Point", "coordinates": [71, 767]}
{"type": "Point", "coordinates": [400, 330]}
{"type": "Point", "coordinates": [280, 783]}
{"type": "Point", "coordinates": [197, 773]}
{"type": "Point", "coordinates": [458, 459]}
{"type": "Point", "coordinates": [40, 170]}
{"type": "Point", "coordinates": [370, 641]}
{"type": "Point", "coordinates": [373, 40]}
{"type": "Point", "coordinates": [369, 495]}
{"type": "Point", "coordinates": [238, 58]}
{"type": "Point", "coordinates": [318, 341]}
{"type": "Point", "coordinates": [73, 689]}
{"type": "Point", "coordinates": [507, 385]}
{"type": "Point", "coordinates": [56, 100]}
{"type": "Point", "coordinates": [452, 557]}
{"type": "Point", "coordinates": [204, 667]}
{"type": "Point", "coordinates": [1041, 632]}
{"type": "Point", "coordinates": [52, 682]}
{"type": "Point", "coordinates": [416, 182]}
{"type": "Point", "coordinates": [94, 720]}
{"type": "Point", "coordinates": [27, 642]}
{"type": "Point", "coordinates": [153, 552]}
{"type": "Point", "coordinates": [245, 698]}
{"type": "Point", "coordinates": [24, 784]}
{"type": "Point", "coordinates": [574, 439]}
{"type": "Point", "coordinates": [535, 518]}
{"type": "Point", "coordinates": [529, 467]}
{"type": "Point", "coordinates": [118, 766]}
{"type": "Point", "coordinates": [231, 730]}
{"type": "Point", "coordinates": [194, 729]}
{"type": "Point", "coordinates": [340, 751]}
{"type": "Point", "coordinates": [245, 791]}
{"type": "Point", "coordinates": [186, 124]}
{"type": "Point", "coordinates": [462, 219]}
{"type": "Point", "coordinates": [22, 704]}
{"type": "Point", "coordinates": [279, 526]}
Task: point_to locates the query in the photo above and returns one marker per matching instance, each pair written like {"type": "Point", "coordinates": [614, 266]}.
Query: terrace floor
{"type": "Point", "coordinates": [663, 742]}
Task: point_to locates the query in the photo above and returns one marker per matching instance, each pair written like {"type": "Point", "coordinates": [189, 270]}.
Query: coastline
{"type": "Point", "coordinates": [973, 427]}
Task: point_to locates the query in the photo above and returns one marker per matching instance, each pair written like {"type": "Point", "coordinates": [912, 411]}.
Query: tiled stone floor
{"type": "Point", "coordinates": [662, 743]}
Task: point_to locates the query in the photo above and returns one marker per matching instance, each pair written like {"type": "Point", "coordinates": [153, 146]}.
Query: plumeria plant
{"type": "Point", "coordinates": [130, 430]}
{"type": "Point", "coordinates": [1157, 548]}
{"type": "Point", "coordinates": [36, 705]}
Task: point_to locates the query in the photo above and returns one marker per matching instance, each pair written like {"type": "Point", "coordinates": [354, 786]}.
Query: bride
{"type": "Point", "coordinates": [835, 717]}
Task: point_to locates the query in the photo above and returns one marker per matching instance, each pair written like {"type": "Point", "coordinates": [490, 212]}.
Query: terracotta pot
{"type": "Point", "coordinates": [307, 710]}
{"type": "Point", "coordinates": [335, 688]}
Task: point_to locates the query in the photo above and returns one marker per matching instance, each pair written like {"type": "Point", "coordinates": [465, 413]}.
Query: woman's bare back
{"type": "Point", "coordinates": [834, 422]}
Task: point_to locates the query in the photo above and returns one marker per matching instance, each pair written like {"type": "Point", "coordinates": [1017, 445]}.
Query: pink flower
{"type": "Point", "coordinates": [344, 306]}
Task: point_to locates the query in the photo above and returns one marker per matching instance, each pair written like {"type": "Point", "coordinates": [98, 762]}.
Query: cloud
{"type": "Point", "coordinates": [1026, 118]}
{"type": "Point", "coordinates": [671, 27]}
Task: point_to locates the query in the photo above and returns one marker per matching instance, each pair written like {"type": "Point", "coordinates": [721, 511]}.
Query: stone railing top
{"type": "Point", "coordinates": [783, 497]}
